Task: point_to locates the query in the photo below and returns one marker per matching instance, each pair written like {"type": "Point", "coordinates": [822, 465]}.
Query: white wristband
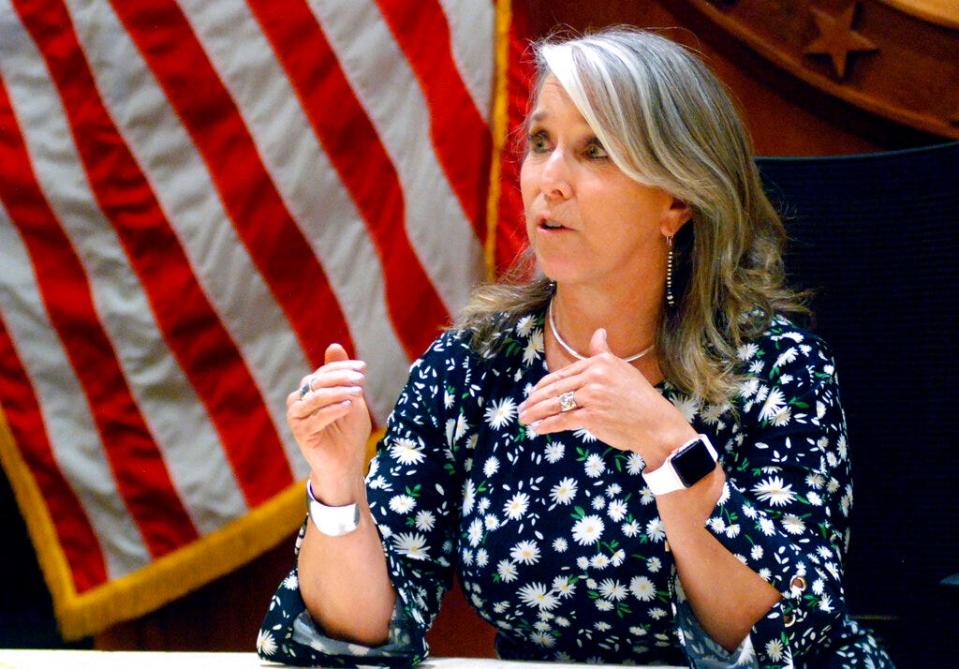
{"type": "Point", "coordinates": [671, 477]}
{"type": "Point", "coordinates": [333, 521]}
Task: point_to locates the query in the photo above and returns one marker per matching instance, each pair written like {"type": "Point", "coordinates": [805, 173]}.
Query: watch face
{"type": "Point", "coordinates": [693, 463]}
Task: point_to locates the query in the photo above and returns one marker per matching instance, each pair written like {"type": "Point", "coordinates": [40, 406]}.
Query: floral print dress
{"type": "Point", "coordinates": [556, 539]}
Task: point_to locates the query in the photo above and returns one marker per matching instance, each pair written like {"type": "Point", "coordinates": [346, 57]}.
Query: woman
{"type": "Point", "coordinates": [558, 446]}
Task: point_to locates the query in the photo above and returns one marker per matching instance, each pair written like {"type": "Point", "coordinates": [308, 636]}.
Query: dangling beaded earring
{"type": "Point", "coordinates": [670, 299]}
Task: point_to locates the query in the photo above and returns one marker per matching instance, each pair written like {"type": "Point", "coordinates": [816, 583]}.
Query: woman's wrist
{"type": "Point", "coordinates": [337, 490]}
{"type": "Point", "coordinates": [669, 440]}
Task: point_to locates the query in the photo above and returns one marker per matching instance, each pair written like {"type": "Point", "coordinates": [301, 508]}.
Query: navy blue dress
{"type": "Point", "coordinates": [556, 539]}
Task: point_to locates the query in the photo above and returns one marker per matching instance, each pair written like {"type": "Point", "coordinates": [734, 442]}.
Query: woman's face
{"type": "Point", "coordinates": [587, 221]}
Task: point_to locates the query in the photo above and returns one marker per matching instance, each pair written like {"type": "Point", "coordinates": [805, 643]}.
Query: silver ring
{"type": "Point", "coordinates": [305, 388]}
{"type": "Point", "coordinates": [567, 402]}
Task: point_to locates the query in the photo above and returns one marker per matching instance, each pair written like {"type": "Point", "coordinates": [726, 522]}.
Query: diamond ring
{"type": "Point", "coordinates": [567, 402]}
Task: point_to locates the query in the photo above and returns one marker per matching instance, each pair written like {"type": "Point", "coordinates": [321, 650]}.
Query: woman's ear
{"type": "Point", "coordinates": [675, 217]}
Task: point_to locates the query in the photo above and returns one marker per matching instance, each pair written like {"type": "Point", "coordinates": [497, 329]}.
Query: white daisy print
{"type": "Point", "coordinates": [687, 406]}
{"type": "Point", "coordinates": [616, 510]}
{"type": "Point", "coordinates": [564, 491]}
{"type": "Point", "coordinates": [265, 643]}
{"type": "Point", "coordinates": [613, 590]}
{"type": "Point", "coordinates": [407, 452]}
{"type": "Point", "coordinates": [594, 466]}
{"type": "Point", "coordinates": [411, 545]}
{"type": "Point", "coordinates": [525, 552]}
{"type": "Point", "coordinates": [588, 530]}
{"type": "Point", "coordinates": [655, 530]}
{"type": "Point", "coordinates": [775, 403]}
{"type": "Point", "coordinates": [469, 496]}
{"type": "Point", "coordinates": [543, 639]}
{"type": "Point", "coordinates": [554, 452]}
{"type": "Point", "coordinates": [654, 564]}
{"type": "Point", "coordinates": [482, 557]}
{"type": "Point", "coordinates": [524, 326]}
{"type": "Point", "coordinates": [534, 347]}
{"type": "Point", "coordinates": [642, 588]}
{"type": "Point", "coordinates": [775, 491]}
{"type": "Point", "coordinates": [560, 545]}
{"type": "Point", "coordinates": [599, 561]}
{"type": "Point", "coordinates": [635, 464]}
{"type": "Point", "coordinates": [291, 582]}
{"type": "Point", "coordinates": [774, 649]}
{"type": "Point", "coordinates": [516, 507]}
{"type": "Point", "coordinates": [500, 413]}
{"type": "Point", "coordinates": [491, 466]}
{"type": "Point", "coordinates": [786, 357]}
{"type": "Point", "coordinates": [537, 595]}
{"type": "Point", "coordinates": [564, 586]}
{"type": "Point", "coordinates": [585, 435]}
{"type": "Point", "coordinates": [425, 520]}
{"type": "Point", "coordinates": [402, 503]}
{"type": "Point", "coordinates": [475, 532]}
{"type": "Point", "coordinates": [793, 524]}
{"type": "Point", "coordinates": [507, 571]}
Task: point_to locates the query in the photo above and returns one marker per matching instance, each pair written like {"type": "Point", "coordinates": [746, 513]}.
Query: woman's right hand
{"type": "Point", "coordinates": [331, 425]}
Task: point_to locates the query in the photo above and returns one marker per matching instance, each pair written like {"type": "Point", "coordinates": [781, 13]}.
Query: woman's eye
{"type": "Point", "coordinates": [596, 151]}
{"type": "Point", "coordinates": [537, 142]}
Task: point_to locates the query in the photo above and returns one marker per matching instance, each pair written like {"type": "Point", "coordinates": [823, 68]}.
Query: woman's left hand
{"type": "Point", "coordinates": [614, 401]}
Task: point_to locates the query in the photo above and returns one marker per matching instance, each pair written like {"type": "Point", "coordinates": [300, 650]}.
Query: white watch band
{"type": "Point", "coordinates": [333, 521]}
{"type": "Point", "coordinates": [664, 479]}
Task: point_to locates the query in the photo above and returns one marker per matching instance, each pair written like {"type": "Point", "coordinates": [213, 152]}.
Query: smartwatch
{"type": "Point", "coordinates": [333, 521]}
{"type": "Point", "coordinates": [684, 467]}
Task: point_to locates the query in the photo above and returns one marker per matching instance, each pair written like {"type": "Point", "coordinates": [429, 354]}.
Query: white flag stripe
{"type": "Point", "coordinates": [309, 185]}
{"type": "Point", "coordinates": [182, 185]}
{"type": "Point", "coordinates": [400, 114]}
{"type": "Point", "coordinates": [472, 26]}
{"type": "Point", "coordinates": [73, 436]}
{"type": "Point", "coordinates": [176, 418]}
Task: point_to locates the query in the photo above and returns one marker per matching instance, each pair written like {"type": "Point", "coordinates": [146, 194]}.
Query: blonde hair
{"type": "Point", "coordinates": [667, 121]}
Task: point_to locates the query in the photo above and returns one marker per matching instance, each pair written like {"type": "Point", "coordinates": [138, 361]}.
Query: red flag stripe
{"type": "Point", "coordinates": [76, 535]}
{"type": "Point", "coordinates": [511, 234]}
{"type": "Point", "coordinates": [354, 149]}
{"type": "Point", "coordinates": [460, 135]}
{"type": "Point", "coordinates": [190, 326]}
{"type": "Point", "coordinates": [279, 249]}
{"type": "Point", "coordinates": [141, 474]}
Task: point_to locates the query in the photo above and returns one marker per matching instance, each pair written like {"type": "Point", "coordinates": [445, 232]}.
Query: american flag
{"type": "Point", "coordinates": [196, 198]}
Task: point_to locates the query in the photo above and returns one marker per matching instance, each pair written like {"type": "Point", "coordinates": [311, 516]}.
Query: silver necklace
{"type": "Point", "coordinates": [569, 349]}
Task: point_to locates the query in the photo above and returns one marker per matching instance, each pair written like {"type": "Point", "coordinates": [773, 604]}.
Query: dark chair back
{"type": "Point", "coordinates": [877, 237]}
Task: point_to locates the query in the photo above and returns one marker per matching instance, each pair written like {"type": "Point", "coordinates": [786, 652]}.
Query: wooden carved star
{"type": "Point", "coordinates": [837, 39]}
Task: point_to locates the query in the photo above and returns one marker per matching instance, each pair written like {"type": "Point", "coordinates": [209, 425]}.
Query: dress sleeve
{"type": "Point", "coordinates": [411, 485]}
{"type": "Point", "coordinates": [784, 510]}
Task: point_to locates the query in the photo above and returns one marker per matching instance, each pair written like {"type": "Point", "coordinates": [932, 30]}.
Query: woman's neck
{"type": "Point", "coordinates": [630, 317]}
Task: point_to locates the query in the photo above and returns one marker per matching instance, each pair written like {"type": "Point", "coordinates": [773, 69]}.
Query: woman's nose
{"type": "Point", "coordinates": [555, 177]}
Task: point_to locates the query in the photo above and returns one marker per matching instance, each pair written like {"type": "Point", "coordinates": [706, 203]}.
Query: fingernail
{"type": "Point", "coordinates": [356, 390]}
{"type": "Point", "coordinates": [356, 376]}
{"type": "Point", "coordinates": [347, 403]}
